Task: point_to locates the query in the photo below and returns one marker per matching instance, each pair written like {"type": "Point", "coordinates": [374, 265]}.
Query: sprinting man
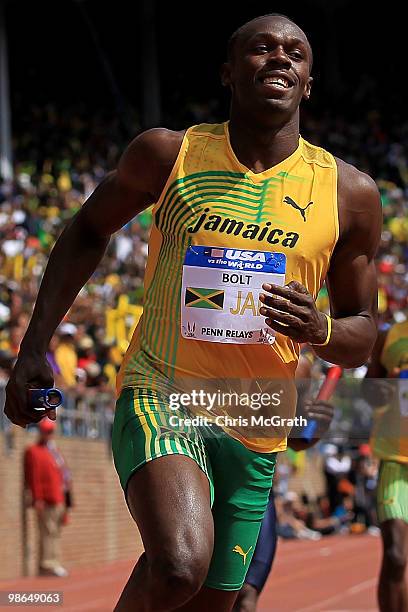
{"type": "Point", "coordinates": [219, 195]}
{"type": "Point", "coordinates": [390, 444]}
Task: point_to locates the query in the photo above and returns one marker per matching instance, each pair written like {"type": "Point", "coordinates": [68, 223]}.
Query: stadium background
{"type": "Point", "coordinates": [84, 79]}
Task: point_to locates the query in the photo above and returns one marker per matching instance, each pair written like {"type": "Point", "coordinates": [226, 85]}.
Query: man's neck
{"type": "Point", "coordinates": [261, 147]}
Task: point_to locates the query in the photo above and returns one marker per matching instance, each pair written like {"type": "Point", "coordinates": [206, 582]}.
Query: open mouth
{"type": "Point", "coordinates": [276, 81]}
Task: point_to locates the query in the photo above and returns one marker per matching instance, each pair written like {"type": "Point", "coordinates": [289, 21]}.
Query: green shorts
{"type": "Point", "coordinates": [240, 479]}
{"type": "Point", "coordinates": [392, 491]}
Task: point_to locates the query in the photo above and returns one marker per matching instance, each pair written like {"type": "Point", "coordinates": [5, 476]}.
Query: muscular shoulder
{"type": "Point", "coordinates": [158, 144]}
{"type": "Point", "coordinates": [359, 203]}
{"type": "Point", "coordinates": [147, 161]}
{"type": "Point", "coordinates": [356, 187]}
{"type": "Point", "coordinates": [354, 183]}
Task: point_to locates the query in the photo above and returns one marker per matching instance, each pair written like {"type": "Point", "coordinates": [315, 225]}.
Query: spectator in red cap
{"type": "Point", "coordinates": [48, 481]}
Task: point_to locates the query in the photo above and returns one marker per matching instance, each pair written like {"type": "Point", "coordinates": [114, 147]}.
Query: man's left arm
{"type": "Point", "coordinates": [351, 282]}
{"type": "Point", "coordinates": [352, 277]}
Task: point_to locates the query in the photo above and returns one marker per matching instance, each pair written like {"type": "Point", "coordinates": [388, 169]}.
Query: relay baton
{"type": "Point", "coordinates": [45, 399]}
{"type": "Point", "coordinates": [325, 393]}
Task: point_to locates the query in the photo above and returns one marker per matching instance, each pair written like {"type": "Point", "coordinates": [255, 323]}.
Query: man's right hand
{"type": "Point", "coordinates": [31, 370]}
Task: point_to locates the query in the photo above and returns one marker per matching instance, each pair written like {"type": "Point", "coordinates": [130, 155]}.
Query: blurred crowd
{"type": "Point", "coordinates": [347, 504]}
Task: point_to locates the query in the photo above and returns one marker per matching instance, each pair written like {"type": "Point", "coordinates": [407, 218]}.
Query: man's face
{"type": "Point", "coordinates": [270, 67]}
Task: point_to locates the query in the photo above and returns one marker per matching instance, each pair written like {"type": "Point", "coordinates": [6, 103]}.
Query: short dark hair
{"type": "Point", "coordinates": [235, 35]}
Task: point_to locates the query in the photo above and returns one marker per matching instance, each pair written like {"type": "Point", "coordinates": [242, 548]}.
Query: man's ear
{"type": "Point", "coordinates": [226, 74]}
{"type": "Point", "coordinates": [308, 88]}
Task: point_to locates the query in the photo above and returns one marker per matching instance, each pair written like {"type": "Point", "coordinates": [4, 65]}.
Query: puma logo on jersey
{"type": "Point", "coordinates": [240, 551]}
{"type": "Point", "coordinates": [288, 200]}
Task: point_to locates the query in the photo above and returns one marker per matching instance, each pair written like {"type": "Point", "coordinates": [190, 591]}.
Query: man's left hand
{"type": "Point", "coordinates": [291, 311]}
{"type": "Point", "coordinates": [317, 410]}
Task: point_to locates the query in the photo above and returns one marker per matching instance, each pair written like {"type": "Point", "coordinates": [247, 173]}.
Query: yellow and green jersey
{"type": "Point", "coordinates": [218, 230]}
{"type": "Point", "coordinates": [390, 432]}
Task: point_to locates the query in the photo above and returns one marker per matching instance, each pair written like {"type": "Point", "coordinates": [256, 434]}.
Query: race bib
{"type": "Point", "coordinates": [220, 294]}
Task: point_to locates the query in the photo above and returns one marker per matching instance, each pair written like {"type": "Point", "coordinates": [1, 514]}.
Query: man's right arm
{"type": "Point", "coordinates": [138, 181]}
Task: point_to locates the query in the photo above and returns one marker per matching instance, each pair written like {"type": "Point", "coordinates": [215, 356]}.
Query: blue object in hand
{"type": "Point", "coordinates": [325, 393]}
{"type": "Point", "coordinates": [45, 399]}
{"type": "Point", "coordinates": [309, 431]}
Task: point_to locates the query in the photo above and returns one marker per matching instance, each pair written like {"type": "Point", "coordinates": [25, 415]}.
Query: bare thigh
{"type": "Point", "coordinates": [169, 498]}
